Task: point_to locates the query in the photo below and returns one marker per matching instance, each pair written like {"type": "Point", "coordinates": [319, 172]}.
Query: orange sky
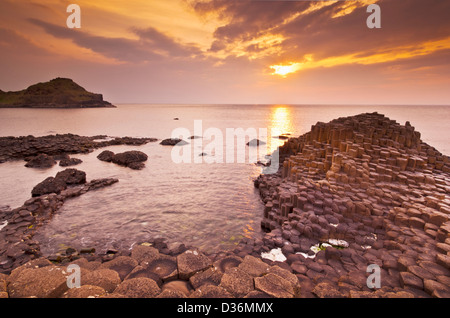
{"type": "Point", "coordinates": [233, 51]}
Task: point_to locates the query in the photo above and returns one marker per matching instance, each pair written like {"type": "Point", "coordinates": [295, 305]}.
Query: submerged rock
{"type": "Point", "coordinates": [173, 142]}
{"type": "Point", "coordinates": [255, 142]}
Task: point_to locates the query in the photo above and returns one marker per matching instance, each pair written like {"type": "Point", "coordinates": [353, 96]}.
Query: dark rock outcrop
{"type": "Point", "coordinates": [173, 142]}
{"type": "Point", "coordinates": [41, 161]}
{"type": "Point", "coordinates": [132, 159]}
{"type": "Point", "coordinates": [57, 93]}
{"type": "Point", "coordinates": [106, 155]}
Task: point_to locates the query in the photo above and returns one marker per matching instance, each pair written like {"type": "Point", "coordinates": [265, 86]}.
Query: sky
{"type": "Point", "coordinates": [232, 51]}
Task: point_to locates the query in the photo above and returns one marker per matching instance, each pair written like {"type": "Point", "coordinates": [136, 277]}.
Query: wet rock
{"type": "Point", "coordinates": [173, 142]}
{"type": "Point", "coordinates": [41, 161]}
{"type": "Point", "coordinates": [140, 287]}
{"type": "Point", "coordinates": [49, 185]}
{"type": "Point", "coordinates": [255, 142]}
{"type": "Point", "coordinates": [106, 155]}
{"type": "Point", "coordinates": [71, 176]}
{"type": "Point", "coordinates": [191, 262]}
{"type": "Point", "coordinates": [70, 162]}
{"type": "Point", "coordinates": [133, 159]}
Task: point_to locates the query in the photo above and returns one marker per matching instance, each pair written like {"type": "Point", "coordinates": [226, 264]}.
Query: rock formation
{"type": "Point", "coordinates": [374, 184]}
{"type": "Point", "coordinates": [57, 93]}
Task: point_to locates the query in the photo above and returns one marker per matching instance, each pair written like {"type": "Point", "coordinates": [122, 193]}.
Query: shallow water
{"type": "Point", "coordinates": [209, 205]}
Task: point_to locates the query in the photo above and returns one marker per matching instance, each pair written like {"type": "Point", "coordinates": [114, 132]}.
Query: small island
{"type": "Point", "coordinates": [57, 93]}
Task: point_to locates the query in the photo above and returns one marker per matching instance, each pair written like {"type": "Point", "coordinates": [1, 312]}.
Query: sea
{"type": "Point", "coordinates": [200, 194]}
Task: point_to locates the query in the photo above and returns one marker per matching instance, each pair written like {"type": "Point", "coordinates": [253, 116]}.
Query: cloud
{"type": "Point", "coordinates": [283, 31]}
{"type": "Point", "coordinates": [151, 45]}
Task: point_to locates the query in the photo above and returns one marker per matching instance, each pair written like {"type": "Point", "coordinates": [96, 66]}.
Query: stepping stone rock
{"type": "Point", "coordinates": [85, 291]}
{"type": "Point", "coordinates": [44, 282]}
{"type": "Point", "coordinates": [123, 265]}
{"type": "Point", "coordinates": [253, 266]}
{"type": "Point", "coordinates": [237, 282]}
{"type": "Point", "coordinates": [227, 262]}
{"type": "Point", "coordinates": [275, 286]}
{"type": "Point", "coordinates": [144, 254]}
{"type": "Point", "coordinates": [211, 291]}
{"type": "Point", "coordinates": [140, 287]}
{"type": "Point", "coordinates": [107, 279]}
{"type": "Point", "coordinates": [191, 262]}
{"type": "Point", "coordinates": [211, 276]}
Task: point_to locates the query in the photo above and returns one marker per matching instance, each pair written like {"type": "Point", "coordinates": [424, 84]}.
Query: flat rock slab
{"type": "Point", "coordinates": [85, 291]}
{"type": "Point", "coordinates": [191, 262]}
{"type": "Point", "coordinates": [237, 282]}
{"type": "Point", "coordinates": [275, 286]}
{"type": "Point", "coordinates": [140, 287]}
{"type": "Point", "coordinates": [123, 265]}
{"type": "Point", "coordinates": [44, 282]}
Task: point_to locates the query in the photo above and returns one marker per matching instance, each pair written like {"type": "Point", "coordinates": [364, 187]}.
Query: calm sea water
{"type": "Point", "coordinates": [209, 205]}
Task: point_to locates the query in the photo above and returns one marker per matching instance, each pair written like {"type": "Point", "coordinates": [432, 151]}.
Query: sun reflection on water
{"type": "Point", "coordinates": [280, 125]}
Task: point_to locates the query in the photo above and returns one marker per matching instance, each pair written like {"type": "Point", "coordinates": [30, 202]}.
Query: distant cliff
{"type": "Point", "coordinates": [57, 93]}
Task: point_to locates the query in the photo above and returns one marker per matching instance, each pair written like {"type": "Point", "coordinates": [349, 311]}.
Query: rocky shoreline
{"type": "Point", "coordinates": [354, 192]}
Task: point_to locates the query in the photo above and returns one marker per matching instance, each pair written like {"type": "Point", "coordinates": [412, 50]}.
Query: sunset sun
{"type": "Point", "coordinates": [284, 69]}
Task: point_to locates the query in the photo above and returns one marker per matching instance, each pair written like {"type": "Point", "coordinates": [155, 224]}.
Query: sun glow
{"type": "Point", "coordinates": [284, 70]}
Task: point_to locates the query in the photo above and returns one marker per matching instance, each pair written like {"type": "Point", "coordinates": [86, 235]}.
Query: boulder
{"type": "Point", "coordinates": [127, 157]}
{"type": "Point", "coordinates": [133, 159]}
{"type": "Point", "coordinates": [71, 176]}
{"type": "Point", "coordinates": [49, 185]}
{"type": "Point", "coordinates": [41, 161]}
{"type": "Point", "coordinates": [106, 155]}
